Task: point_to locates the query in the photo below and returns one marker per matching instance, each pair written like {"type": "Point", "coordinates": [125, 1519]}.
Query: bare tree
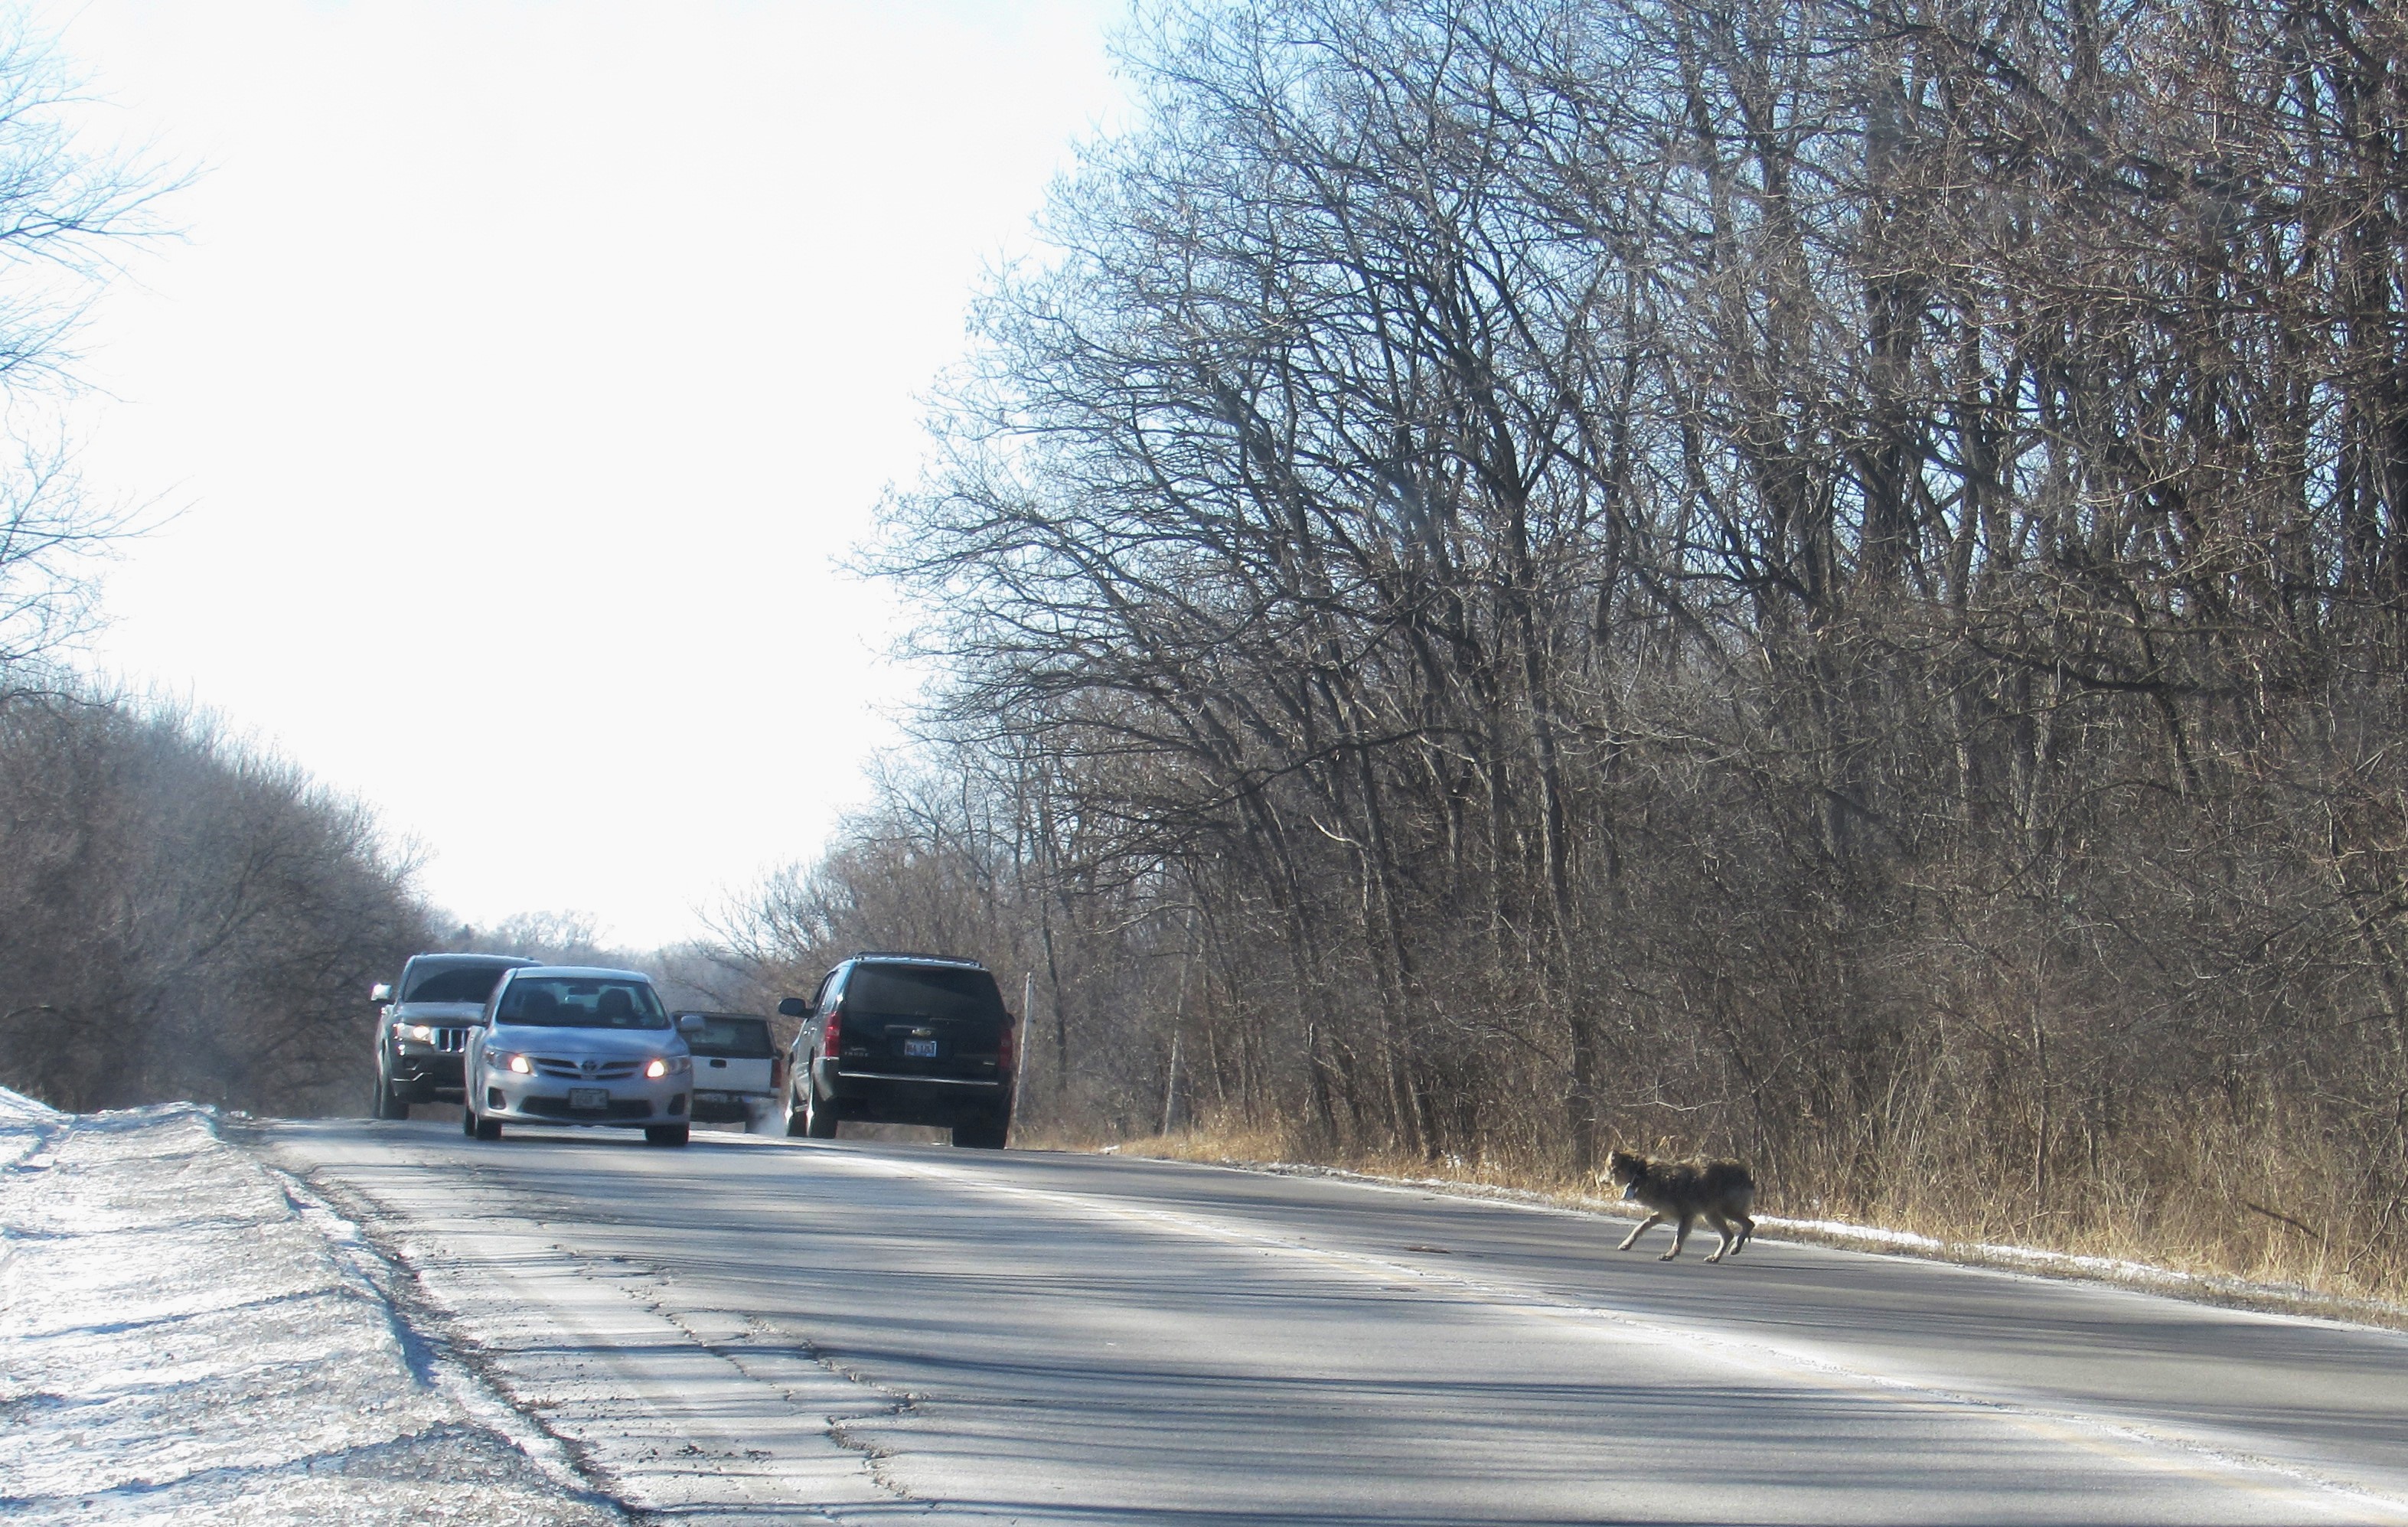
{"type": "Point", "coordinates": [184, 917]}
{"type": "Point", "coordinates": [1814, 577]}
{"type": "Point", "coordinates": [69, 214]}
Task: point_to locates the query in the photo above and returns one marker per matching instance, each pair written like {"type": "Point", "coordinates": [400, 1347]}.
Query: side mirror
{"type": "Point", "coordinates": [381, 992]}
{"type": "Point", "coordinates": [691, 1023]}
{"type": "Point", "coordinates": [792, 1007]}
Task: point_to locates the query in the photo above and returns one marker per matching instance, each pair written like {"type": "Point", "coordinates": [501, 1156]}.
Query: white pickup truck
{"type": "Point", "coordinates": [737, 1071]}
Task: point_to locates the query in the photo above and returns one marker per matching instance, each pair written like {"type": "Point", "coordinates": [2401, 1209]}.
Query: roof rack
{"type": "Point", "coordinates": [912, 954]}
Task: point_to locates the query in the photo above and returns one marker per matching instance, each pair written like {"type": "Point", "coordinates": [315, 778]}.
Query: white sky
{"type": "Point", "coordinates": [524, 370]}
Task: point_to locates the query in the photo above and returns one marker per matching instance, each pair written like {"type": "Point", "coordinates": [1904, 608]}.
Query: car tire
{"type": "Point", "coordinates": [819, 1118]}
{"type": "Point", "coordinates": [795, 1120]}
{"type": "Point", "coordinates": [666, 1135]}
{"type": "Point", "coordinates": [476, 1125]}
{"type": "Point", "coordinates": [388, 1104]}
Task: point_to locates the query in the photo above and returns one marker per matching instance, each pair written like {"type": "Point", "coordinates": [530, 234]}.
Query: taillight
{"type": "Point", "coordinates": [832, 1040]}
{"type": "Point", "coordinates": [1007, 1049]}
{"type": "Point", "coordinates": [777, 1070]}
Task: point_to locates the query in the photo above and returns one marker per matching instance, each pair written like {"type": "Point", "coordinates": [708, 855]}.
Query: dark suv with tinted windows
{"type": "Point", "coordinates": [893, 1038]}
{"type": "Point", "coordinates": [422, 1026]}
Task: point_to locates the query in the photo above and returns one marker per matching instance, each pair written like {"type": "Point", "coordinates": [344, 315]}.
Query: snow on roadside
{"type": "Point", "coordinates": [182, 1338]}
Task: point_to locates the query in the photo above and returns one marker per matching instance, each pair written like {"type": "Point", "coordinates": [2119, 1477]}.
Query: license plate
{"type": "Point", "coordinates": [710, 1097]}
{"type": "Point", "coordinates": [919, 1047]}
{"type": "Point", "coordinates": [589, 1097]}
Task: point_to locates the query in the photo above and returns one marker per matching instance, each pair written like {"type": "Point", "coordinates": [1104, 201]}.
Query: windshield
{"type": "Point", "coordinates": [730, 1037]}
{"type": "Point", "coordinates": [581, 1002]}
{"type": "Point", "coordinates": [469, 983]}
{"type": "Point", "coordinates": [906, 992]}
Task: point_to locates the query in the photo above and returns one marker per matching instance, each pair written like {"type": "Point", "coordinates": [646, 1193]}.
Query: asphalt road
{"type": "Point", "coordinates": [758, 1330]}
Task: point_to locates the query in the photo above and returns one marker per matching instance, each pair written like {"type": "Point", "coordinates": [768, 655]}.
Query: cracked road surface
{"type": "Point", "coordinates": [784, 1331]}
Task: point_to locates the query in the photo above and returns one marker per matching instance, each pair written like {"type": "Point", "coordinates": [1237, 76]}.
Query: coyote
{"type": "Point", "coordinates": [1720, 1193]}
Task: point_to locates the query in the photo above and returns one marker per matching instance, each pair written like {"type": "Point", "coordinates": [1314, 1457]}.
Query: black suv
{"type": "Point", "coordinates": [894, 1038]}
{"type": "Point", "coordinates": [423, 1027]}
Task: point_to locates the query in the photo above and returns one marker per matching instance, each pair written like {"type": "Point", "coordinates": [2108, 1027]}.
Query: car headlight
{"type": "Point", "coordinates": [507, 1062]}
{"type": "Point", "coordinates": [422, 1033]}
{"type": "Point", "coordinates": [667, 1065]}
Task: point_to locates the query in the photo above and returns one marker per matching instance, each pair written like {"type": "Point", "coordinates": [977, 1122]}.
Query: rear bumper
{"type": "Point", "coordinates": [889, 1098]}
{"type": "Point", "coordinates": [716, 1105]}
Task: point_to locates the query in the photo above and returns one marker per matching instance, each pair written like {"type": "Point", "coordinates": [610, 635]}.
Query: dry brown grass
{"type": "Point", "coordinates": [2182, 1235]}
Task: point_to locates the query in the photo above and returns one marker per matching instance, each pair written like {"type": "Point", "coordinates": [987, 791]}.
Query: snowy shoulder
{"type": "Point", "coordinates": [179, 1340]}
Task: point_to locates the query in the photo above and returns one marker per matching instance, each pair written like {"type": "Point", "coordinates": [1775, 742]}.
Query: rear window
{"type": "Point", "coordinates": [581, 1002]}
{"type": "Point", "coordinates": [470, 983]}
{"type": "Point", "coordinates": [732, 1038]}
{"type": "Point", "coordinates": [914, 991]}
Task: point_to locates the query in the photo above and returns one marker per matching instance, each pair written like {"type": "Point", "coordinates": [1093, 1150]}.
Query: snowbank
{"type": "Point", "coordinates": [185, 1337]}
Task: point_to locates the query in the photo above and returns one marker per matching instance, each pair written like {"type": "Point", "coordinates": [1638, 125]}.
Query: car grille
{"type": "Point", "coordinates": [552, 1065]}
{"type": "Point", "coordinates": [557, 1108]}
{"type": "Point", "coordinates": [449, 1041]}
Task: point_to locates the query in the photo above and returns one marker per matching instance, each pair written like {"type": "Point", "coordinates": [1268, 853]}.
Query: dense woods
{"type": "Point", "coordinates": [182, 917]}
{"type": "Point", "coordinates": [1822, 580]}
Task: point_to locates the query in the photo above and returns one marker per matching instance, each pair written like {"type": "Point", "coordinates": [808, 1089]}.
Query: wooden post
{"type": "Point", "coordinates": [1027, 1009]}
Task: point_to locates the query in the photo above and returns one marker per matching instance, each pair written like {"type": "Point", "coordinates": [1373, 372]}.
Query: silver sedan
{"type": "Point", "coordinates": [574, 1045]}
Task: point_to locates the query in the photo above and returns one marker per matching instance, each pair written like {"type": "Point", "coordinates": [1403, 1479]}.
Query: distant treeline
{"type": "Point", "coordinates": [1826, 581]}
{"type": "Point", "coordinates": [184, 917]}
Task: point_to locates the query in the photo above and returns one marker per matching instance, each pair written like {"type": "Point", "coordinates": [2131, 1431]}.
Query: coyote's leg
{"type": "Point", "coordinates": [1722, 1228]}
{"type": "Point", "coordinates": [1680, 1236]}
{"type": "Point", "coordinates": [1746, 1231]}
{"type": "Point", "coordinates": [1628, 1240]}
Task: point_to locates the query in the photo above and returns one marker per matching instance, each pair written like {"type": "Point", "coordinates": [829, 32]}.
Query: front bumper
{"type": "Point", "coordinates": [423, 1074]}
{"type": "Point", "coordinates": [627, 1101]}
